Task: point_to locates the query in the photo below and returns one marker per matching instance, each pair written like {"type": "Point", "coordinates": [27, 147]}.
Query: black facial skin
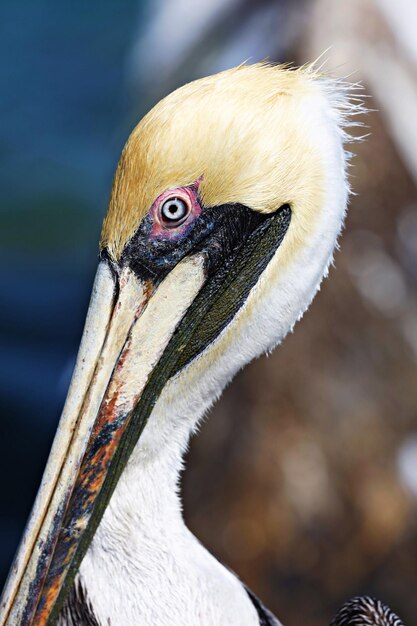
{"type": "Point", "coordinates": [218, 232]}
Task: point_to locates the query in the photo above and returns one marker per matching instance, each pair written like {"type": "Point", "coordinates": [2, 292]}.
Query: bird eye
{"type": "Point", "coordinates": [174, 212]}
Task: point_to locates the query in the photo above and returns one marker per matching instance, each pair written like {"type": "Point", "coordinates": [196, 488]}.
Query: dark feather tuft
{"type": "Point", "coordinates": [365, 611]}
{"type": "Point", "coordinates": [77, 610]}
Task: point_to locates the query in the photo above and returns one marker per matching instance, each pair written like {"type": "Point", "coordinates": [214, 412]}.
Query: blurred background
{"type": "Point", "coordinates": [304, 479]}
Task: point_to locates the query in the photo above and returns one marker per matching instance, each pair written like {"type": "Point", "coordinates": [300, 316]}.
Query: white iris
{"type": "Point", "coordinates": [174, 209]}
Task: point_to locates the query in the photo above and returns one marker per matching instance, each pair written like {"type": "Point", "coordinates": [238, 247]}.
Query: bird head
{"type": "Point", "coordinates": [224, 214]}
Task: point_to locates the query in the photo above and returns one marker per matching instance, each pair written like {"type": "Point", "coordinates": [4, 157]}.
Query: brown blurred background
{"type": "Point", "coordinates": [304, 478]}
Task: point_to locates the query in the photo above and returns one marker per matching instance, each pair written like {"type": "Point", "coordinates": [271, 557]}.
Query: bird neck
{"type": "Point", "coordinates": [144, 565]}
{"type": "Point", "coordinates": [145, 509]}
{"type": "Point", "coordinates": [147, 493]}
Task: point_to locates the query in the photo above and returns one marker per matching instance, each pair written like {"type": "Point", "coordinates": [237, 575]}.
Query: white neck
{"type": "Point", "coordinates": [145, 567]}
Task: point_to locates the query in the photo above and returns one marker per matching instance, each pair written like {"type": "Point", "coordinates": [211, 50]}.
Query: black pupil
{"type": "Point", "coordinates": [174, 209]}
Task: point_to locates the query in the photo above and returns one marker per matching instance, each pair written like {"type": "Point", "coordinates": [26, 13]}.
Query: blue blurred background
{"type": "Point", "coordinates": [312, 493]}
{"type": "Point", "coordinates": [63, 123]}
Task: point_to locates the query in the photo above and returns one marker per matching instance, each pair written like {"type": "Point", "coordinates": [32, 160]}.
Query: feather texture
{"type": "Point", "coordinates": [365, 611]}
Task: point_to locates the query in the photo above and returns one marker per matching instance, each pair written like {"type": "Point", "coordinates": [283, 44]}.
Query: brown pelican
{"type": "Point", "coordinates": [224, 214]}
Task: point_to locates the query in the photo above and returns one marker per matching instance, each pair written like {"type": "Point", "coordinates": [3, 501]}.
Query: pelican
{"type": "Point", "coordinates": [225, 210]}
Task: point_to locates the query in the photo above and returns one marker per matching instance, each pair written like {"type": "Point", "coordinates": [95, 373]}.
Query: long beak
{"type": "Point", "coordinates": [128, 326]}
{"type": "Point", "coordinates": [137, 336]}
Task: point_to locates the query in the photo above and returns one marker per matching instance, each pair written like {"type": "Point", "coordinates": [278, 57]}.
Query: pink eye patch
{"type": "Point", "coordinates": [174, 211]}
